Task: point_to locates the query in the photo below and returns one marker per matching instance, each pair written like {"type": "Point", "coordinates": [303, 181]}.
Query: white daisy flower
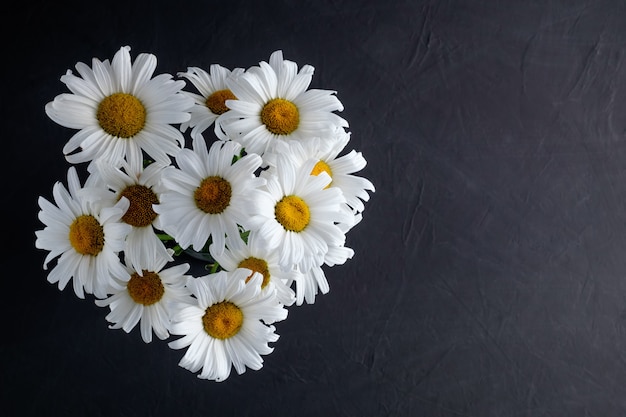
{"type": "Point", "coordinates": [298, 214]}
{"type": "Point", "coordinates": [274, 104]}
{"type": "Point", "coordinates": [85, 236]}
{"type": "Point", "coordinates": [227, 324]}
{"type": "Point", "coordinates": [121, 110]}
{"type": "Point", "coordinates": [214, 92]}
{"type": "Point", "coordinates": [258, 257]}
{"type": "Point", "coordinates": [143, 188]}
{"type": "Point", "coordinates": [340, 168]}
{"type": "Point", "coordinates": [148, 298]}
{"type": "Point", "coordinates": [208, 195]}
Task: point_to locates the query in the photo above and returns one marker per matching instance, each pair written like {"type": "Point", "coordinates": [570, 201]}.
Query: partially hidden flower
{"type": "Point", "coordinates": [210, 100]}
{"type": "Point", "coordinates": [329, 159]}
{"type": "Point", "coordinates": [143, 188]}
{"type": "Point", "coordinates": [147, 298]}
{"type": "Point", "coordinates": [85, 237]}
{"type": "Point", "coordinates": [255, 255]}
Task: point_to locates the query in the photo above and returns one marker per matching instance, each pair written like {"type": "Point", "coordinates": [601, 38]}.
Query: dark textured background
{"type": "Point", "coordinates": [490, 272]}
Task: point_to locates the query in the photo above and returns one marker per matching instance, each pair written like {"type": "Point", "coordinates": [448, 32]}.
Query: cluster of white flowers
{"type": "Point", "coordinates": [249, 168]}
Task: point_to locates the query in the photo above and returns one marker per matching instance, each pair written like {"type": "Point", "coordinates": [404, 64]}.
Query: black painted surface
{"type": "Point", "coordinates": [490, 272]}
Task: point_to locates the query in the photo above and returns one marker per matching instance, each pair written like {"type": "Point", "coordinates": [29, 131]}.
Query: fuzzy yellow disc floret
{"type": "Point", "coordinates": [140, 212]}
{"type": "Point", "coordinates": [87, 235]}
{"type": "Point", "coordinates": [280, 116]}
{"type": "Point", "coordinates": [213, 195]}
{"type": "Point", "coordinates": [122, 115]}
{"type": "Point", "coordinates": [147, 289]}
{"type": "Point", "coordinates": [256, 265]}
{"type": "Point", "coordinates": [222, 320]}
{"type": "Point", "coordinates": [216, 102]}
{"type": "Point", "coordinates": [292, 213]}
{"type": "Point", "coordinates": [320, 167]}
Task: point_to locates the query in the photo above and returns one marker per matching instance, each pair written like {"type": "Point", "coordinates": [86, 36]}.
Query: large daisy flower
{"type": "Point", "coordinates": [227, 323]}
{"type": "Point", "coordinates": [147, 298]}
{"type": "Point", "coordinates": [258, 257]}
{"type": "Point", "coordinates": [208, 195]}
{"type": "Point", "coordinates": [86, 237]}
{"type": "Point", "coordinates": [211, 102]}
{"type": "Point", "coordinates": [121, 110]}
{"type": "Point", "coordinates": [143, 188]}
{"type": "Point", "coordinates": [298, 214]}
{"type": "Point", "coordinates": [274, 104]}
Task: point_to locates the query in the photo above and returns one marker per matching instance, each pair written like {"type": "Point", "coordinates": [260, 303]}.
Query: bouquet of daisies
{"type": "Point", "coordinates": [250, 170]}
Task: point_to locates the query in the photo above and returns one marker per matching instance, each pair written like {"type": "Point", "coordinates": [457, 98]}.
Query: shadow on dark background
{"type": "Point", "coordinates": [489, 277]}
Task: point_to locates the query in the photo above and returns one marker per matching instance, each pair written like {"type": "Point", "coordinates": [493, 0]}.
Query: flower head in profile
{"type": "Point", "coordinates": [147, 298]}
{"type": "Point", "coordinates": [85, 236]}
{"type": "Point", "coordinates": [211, 100]}
{"type": "Point", "coordinates": [121, 110]}
{"type": "Point", "coordinates": [208, 194]}
{"type": "Point", "coordinates": [255, 255]}
{"type": "Point", "coordinates": [274, 103]}
{"type": "Point", "coordinates": [227, 323]}
{"type": "Point", "coordinates": [143, 188]}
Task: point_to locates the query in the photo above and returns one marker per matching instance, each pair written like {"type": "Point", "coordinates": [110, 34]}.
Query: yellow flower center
{"type": "Point", "coordinates": [292, 213]}
{"type": "Point", "coordinates": [320, 167]}
{"type": "Point", "coordinates": [216, 102]}
{"type": "Point", "coordinates": [121, 115]}
{"type": "Point", "coordinates": [213, 195]}
{"type": "Point", "coordinates": [87, 235]}
{"type": "Point", "coordinates": [280, 116]}
{"type": "Point", "coordinates": [222, 320]}
{"type": "Point", "coordinates": [147, 289]}
{"type": "Point", "coordinates": [256, 265]}
{"type": "Point", "coordinates": [140, 212]}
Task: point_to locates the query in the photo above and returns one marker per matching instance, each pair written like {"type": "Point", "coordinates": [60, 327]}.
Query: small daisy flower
{"type": "Point", "coordinates": [143, 188]}
{"type": "Point", "coordinates": [298, 214]}
{"type": "Point", "coordinates": [258, 257]}
{"type": "Point", "coordinates": [85, 236]}
{"type": "Point", "coordinates": [147, 298]}
{"type": "Point", "coordinates": [214, 92]}
{"type": "Point", "coordinates": [227, 323]}
{"type": "Point", "coordinates": [120, 110]}
{"type": "Point", "coordinates": [274, 104]}
{"type": "Point", "coordinates": [208, 195]}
